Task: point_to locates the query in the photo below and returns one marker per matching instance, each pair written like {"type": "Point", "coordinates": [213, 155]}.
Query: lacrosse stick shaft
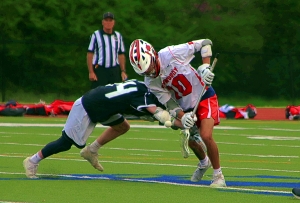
{"type": "Point", "coordinates": [204, 88]}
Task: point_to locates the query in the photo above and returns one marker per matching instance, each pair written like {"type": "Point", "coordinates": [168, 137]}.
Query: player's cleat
{"type": "Point", "coordinates": [184, 140]}
{"type": "Point", "coordinates": [91, 157]}
{"type": "Point", "coordinates": [30, 168]}
{"type": "Point", "coordinates": [296, 192]}
{"type": "Point", "coordinates": [199, 172]}
{"type": "Point", "coordinates": [218, 181]}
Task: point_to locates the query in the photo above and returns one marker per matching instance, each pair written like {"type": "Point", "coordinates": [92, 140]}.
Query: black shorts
{"type": "Point", "coordinates": [107, 76]}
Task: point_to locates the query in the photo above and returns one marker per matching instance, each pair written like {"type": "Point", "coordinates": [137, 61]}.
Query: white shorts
{"type": "Point", "coordinates": [78, 126]}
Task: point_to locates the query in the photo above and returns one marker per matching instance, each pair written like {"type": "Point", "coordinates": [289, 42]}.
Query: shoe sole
{"type": "Point", "coordinates": [217, 186]}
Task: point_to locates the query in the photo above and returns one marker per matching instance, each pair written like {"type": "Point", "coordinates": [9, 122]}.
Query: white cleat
{"type": "Point", "coordinates": [30, 168]}
{"type": "Point", "coordinates": [91, 157]}
{"type": "Point", "coordinates": [199, 172]}
{"type": "Point", "coordinates": [218, 181]}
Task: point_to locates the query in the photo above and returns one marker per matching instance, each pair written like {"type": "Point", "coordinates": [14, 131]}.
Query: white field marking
{"type": "Point", "coordinates": [101, 126]}
{"type": "Point", "coordinates": [242, 135]}
{"type": "Point", "coordinates": [168, 140]}
{"type": "Point", "coordinates": [161, 182]}
{"type": "Point", "coordinates": [207, 186]}
{"type": "Point", "coordinates": [164, 151]}
{"type": "Point", "coordinates": [140, 126]}
{"type": "Point", "coordinates": [144, 155]}
{"type": "Point", "coordinates": [236, 143]}
{"type": "Point", "coordinates": [280, 129]}
{"type": "Point", "coordinates": [233, 143]}
{"type": "Point", "coordinates": [273, 138]}
{"type": "Point", "coordinates": [12, 202]}
{"type": "Point", "coordinates": [13, 143]}
{"type": "Point", "coordinates": [159, 164]}
{"type": "Point", "coordinates": [261, 156]}
{"type": "Point", "coordinates": [143, 150]}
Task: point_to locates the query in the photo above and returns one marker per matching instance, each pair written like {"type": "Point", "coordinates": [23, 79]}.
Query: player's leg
{"type": "Point", "coordinates": [31, 163]}
{"type": "Point", "coordinates": [199, 148]}
{"type": "Point", "coordinates": [118, 127]}
{"type": "Point", "coordinates": [76, 131]}
{"type": "Point", "coordinates": [209, 117]}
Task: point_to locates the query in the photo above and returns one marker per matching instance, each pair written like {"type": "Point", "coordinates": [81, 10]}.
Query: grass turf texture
{"type": "Point", "coordinates": [145, 165]}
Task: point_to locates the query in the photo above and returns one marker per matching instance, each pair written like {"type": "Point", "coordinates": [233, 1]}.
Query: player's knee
{"type": "Point", "coordinates": [207, 138]}
{"type": "Point", "coordinates": [122, 127]}
{"type": "Point", "coordinates": [57, 146]}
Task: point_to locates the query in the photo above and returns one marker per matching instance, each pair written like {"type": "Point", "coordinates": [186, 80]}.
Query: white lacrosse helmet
{"type": "Point", "coordinates": [141, 55]}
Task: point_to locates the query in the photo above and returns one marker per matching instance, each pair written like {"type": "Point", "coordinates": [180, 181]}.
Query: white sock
{"type": "Point", "coordinates": [217, 171]}
{"type": "Point", "coordinates": [35, 158]}
{"type": "Point", "coordinates": [204, 161]}
{"type": "Point", "coordinates": [95, 146]}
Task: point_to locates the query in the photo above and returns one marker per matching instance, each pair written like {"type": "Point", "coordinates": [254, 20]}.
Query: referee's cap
{"type": "Point", "coordinates": [108, 15]}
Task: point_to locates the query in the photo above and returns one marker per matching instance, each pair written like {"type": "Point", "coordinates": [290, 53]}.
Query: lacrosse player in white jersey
{"type": "Point", "coordinates": [177, 85]}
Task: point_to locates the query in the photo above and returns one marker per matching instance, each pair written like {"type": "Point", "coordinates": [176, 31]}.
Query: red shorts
{"type": "Point", "coordinates": [208, 108]}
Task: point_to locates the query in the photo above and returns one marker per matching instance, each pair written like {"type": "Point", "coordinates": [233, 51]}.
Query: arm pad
{"type": "Point", "coordinates": [203, 45]}
{"type": "Point", "coordinates": [162, 115]}
{"type": "Point", "coordinates": [173, 107]}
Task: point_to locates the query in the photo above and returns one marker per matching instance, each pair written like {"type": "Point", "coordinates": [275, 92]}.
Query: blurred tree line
{"type": "Point", "coordinates": [44, 43]}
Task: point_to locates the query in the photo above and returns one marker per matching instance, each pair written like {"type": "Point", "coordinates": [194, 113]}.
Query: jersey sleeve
{"type": "Point", "coordinates": [177, 54]}
{"type": "Point", "coordinates": [155, 86]}
{"type": "Point", "coordinates": [92, 43]}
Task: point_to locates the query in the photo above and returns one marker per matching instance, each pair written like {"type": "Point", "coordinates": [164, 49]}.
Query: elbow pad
{"type": "Point", "coordinates": [204, 46]}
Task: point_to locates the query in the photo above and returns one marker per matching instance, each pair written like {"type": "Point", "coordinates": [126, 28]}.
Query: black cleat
{"type": "Point", "coordinates": [296, 192]}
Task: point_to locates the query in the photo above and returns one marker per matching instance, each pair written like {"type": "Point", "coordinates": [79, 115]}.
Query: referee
{"type": "Point", "coordinates": [106, 54]}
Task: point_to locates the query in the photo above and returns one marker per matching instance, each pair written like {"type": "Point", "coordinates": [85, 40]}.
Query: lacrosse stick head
{"type": "Point", "coordinates": [184, 142]}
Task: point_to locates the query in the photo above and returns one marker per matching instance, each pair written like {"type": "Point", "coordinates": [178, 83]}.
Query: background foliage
{"type": "Point", "coordinates": [44, 43]}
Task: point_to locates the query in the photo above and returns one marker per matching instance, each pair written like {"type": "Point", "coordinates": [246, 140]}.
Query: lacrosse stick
{"type": "Point", "coordinates": [187, 130]}
{"type": "Point", "coordinates": [204, 88]}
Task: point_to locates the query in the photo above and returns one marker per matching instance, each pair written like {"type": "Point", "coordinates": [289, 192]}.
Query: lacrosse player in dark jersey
{"type": "Point", "coordinates": [105, 105]}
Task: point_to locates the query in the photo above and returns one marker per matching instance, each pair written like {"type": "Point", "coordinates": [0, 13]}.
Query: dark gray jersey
{"type": "Point", "coordinates": [130, 97]}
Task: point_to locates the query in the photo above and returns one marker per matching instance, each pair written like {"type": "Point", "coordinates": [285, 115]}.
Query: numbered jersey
{"type": "Point", "coordinates": [131, 97]}
{"type": "Point", "coordinates": [178, 79]}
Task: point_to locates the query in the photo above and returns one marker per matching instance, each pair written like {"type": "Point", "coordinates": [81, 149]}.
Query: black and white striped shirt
{"type": "Point", "coordinates": [106, 48]}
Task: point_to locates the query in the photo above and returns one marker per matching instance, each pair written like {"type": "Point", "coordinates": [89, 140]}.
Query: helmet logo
{"type": "Point", "coordinates": [148, 47]}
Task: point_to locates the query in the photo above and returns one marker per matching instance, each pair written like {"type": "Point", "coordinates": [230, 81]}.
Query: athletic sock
{"type": "Point", "coordinates": [204, 161]}
{"type": "Point", "coordinates": [35, 158]}
{"type": "Point", "coordinates": [217, 171]}
{"type": "Point", "coordinates": [95, 146]}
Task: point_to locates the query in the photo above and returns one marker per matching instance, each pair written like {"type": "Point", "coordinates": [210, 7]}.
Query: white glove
{"type": "Point", "coordinates": [206, 74]}
{"type": "Point", "coordinates": [162, 115]}
{"type": "Point", "coordinates": [187, 120]}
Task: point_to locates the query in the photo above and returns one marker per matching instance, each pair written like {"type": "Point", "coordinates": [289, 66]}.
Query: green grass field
{"type": "Point", "coordinates": [260, 161]}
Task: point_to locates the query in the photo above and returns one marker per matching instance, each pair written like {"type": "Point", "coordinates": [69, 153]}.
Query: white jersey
{"type": "Point", "coordinates": [177, 79]}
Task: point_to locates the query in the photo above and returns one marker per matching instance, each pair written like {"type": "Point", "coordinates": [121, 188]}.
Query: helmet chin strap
{"type": "Point", "coordinates": [157, 66]}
